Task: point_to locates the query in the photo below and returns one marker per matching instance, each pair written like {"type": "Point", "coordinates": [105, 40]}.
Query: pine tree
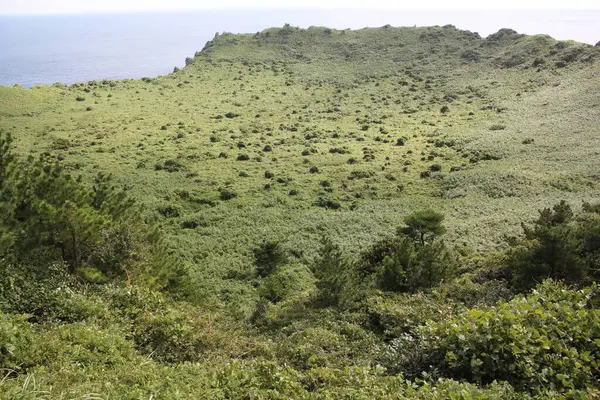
{"type": "Point", "coordinates": [331, 270]}
{"type": "Point", "coordinates": [423, 226]}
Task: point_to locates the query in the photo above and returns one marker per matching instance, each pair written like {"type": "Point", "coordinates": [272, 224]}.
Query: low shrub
{"type": "Point", "coordinates": [550, 338]}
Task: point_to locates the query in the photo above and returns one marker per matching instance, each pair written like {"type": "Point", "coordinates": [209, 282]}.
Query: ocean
{"type": "Point", "coordinates": [44, 49]}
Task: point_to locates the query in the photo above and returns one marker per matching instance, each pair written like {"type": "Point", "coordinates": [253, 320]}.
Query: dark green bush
{"type": "Point", "coordinates": [268, 256]}
{"type": "Point", "coordinates": [557, 245]}
{"type": "Point", "coordinates": [331, 269]}
{"type": "Point", "coordinates": [328, 203]}
{"type": "Point", "coordinates": [412, 267]}
{"type": "Point", "coordinates": [170, 211]}
{"type": "Point", "coordinates": [227, 194]}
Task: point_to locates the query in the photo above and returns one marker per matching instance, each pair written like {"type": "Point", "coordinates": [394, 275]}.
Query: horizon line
{"type": "Point", "coordinates": [263, 8]}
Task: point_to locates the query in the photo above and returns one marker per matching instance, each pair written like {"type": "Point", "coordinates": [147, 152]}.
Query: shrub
{"type": "Point", "coordinates": [474, 294]}
{"type": "Point", "coordinates": [331, 270]}
{"type": "Point", "coordinates": [547, 339]}
{"type": "Point", "coordinates": [169, 211]}
{"type": "Point", "coordinates": [328, 203]}
{"type": "Point", "coordinates": [172, 166]}
{"type": "Point", "coordinates": [16, 342]}
{"type": "Point", "coordinates": [394, 315]}
{"type": "Point", "coordinates": [411, 267]}
{"type": "Point", "coordinates": [268, 256]}
{"type": "Point", "coordinates": [557, 246]}
{"type": "Point", "coordinates": [227, 194]}
{"type": "Point", "coordinates": [285, 282]}
{"type": "Point", "coordinates": [413, 259]}
{"type": "Point", "coordinates": [360, 175]}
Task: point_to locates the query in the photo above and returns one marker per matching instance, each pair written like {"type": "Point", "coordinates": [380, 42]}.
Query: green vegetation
{"type": "Point", "coordinates": [311, 214]}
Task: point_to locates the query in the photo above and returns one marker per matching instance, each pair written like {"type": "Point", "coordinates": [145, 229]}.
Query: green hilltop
{"type": "Point", "coordinates": [280, 181]}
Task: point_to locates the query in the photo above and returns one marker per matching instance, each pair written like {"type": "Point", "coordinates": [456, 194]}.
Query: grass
{"type": "Point", "coordinates": [293, 134]}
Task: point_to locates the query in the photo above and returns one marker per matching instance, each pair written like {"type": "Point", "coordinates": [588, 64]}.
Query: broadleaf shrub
{"type": "Point", "coordinates": [548, 339]}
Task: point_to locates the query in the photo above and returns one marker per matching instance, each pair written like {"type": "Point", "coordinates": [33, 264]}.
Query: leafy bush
{"type": "Point", "coordinates": [329, 203]}
{"type": "Point", "coordinates": [497, 127]}
{"type": "Point", "coordinates": [472, 294]}
{"type": "Point", "coordinates": [395, 314]}
{"type": "Point", "coordinates": [551, 338]}
{"type": "Point", "coordinates": [284, 282]}
{"type": "Point", "coordinates": [16, 342]}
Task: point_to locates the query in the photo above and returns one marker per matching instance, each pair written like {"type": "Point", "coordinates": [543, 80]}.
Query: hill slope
{"type": "Point", "coordinates": [289, 135]}
{"type": "Point", "coordinates": [372, 111]}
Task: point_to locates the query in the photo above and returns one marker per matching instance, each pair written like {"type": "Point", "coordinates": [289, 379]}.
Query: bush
{"type": "Point", "coordinates": [558, 245]}
{"type": "Point", "coordinates": [169, 211]}
{"type": "Point", "coordinates": [393, 315]}
{"type": "Point", "coordinates": [172, 166]}
{"type": "Point", "coordinates": [331, 269]}
{"type": "Point", "coordinates": [227, 194]}
{"type": "Point", "coordinates": [16, 342]}
{"type": "Point", "coordinates": [412, 267]}
{"type": "Point", "coordinates": [285, 282]}
{"type": "Point", "coordinates": [412, 260]}
{"type": "Point", "coordinates": [268, 256]}
{"type": "Point", "coordinates": [472, 294]}
{"type": "Point", "coordinates": [329, 203]}
{"type": "Point", "coordinates": [551, 338]}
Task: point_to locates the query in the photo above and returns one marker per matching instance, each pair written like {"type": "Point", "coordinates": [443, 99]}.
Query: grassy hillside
{"type": "Point", "coordinates": [289, 135]}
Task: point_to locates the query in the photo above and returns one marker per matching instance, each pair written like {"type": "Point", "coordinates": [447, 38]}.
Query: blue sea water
{"type": "Point", "coordinates": [44, 49]}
